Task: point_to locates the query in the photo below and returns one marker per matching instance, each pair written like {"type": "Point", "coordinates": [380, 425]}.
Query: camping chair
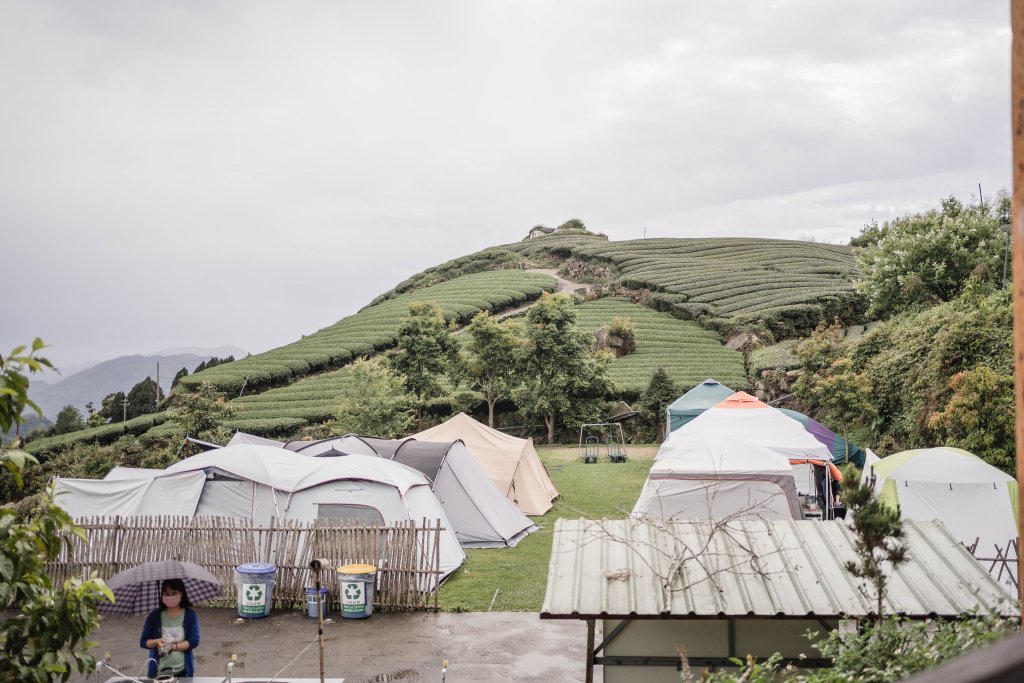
{"type": "Point", "coordinates": [591, 453]}
{"type": "Point", "coordinates": [615, 452]}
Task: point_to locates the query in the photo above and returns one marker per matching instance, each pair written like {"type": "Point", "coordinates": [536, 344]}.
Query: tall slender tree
{"type": "Point", "coordinates": [493, 358]}
{"type": "Point", "coordinates": [426, 353]}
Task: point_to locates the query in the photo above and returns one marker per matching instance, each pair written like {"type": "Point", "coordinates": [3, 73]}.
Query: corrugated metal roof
{"type": "Point", "coordinates": [751, 568]}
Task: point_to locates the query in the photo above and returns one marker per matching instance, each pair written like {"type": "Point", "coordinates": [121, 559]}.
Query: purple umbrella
{"type": "Point", "coordinates": [137, 590]}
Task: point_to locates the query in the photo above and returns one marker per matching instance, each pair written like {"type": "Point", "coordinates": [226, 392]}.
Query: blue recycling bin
{"type": "Point", "coordinates": [311, 602]}
{"type": "Point", "coordinates": [255, 581]}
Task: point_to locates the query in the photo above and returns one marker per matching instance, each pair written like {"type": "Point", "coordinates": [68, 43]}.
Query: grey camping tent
{"type": "Point", "coordinates": [481, 515]}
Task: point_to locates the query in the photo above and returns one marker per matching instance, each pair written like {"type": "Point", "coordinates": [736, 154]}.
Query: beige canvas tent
{"type": "Point", "coordinates": [511, 463]}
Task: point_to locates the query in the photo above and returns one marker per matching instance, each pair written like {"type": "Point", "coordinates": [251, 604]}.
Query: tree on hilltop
{"type": "Point", "coordinates": [144, 398]}
{"type": "Point", "coordinates": [69, 419]}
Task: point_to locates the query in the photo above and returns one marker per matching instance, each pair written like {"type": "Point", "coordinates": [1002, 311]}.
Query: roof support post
{"type": "Point", "coordinates": [590, 650]}
{"type": "Point", "coordinates": [1017, 223]}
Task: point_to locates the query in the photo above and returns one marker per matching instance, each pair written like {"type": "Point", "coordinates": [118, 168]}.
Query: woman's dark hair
{"type": "Point", "coordinates": [175, 585]}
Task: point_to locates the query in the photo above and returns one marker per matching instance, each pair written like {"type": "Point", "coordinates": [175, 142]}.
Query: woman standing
{"type": "Point", "coordinates": [171, 632]}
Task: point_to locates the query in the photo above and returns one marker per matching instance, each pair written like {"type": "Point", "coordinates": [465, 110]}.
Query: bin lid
{"type": "Point", "coordinates": [256, 568]}
{"type": "Point", "coordinates": [357, 569]}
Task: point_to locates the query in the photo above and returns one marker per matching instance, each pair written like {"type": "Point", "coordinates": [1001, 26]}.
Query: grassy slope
{"type": "Point", "coordinates": [601, 491]}
{"type": "Point", "coordinates": [688, 352]}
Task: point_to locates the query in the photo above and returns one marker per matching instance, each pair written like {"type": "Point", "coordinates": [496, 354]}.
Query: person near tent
{"type": "Point", "coordinates": [171, 632]}
{"type": "Point", "coordinates": [829, 490]}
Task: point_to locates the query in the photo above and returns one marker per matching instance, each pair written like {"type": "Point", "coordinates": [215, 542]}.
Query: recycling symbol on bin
{"type": "Point", "coordinates": [254, 593]}
{"type": "Point", "coordinates": [353, 591]}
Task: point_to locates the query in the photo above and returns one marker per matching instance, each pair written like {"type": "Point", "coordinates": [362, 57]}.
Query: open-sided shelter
{"type": "Point", "coordinates": [751, 587]}
{"type": "Point", "coordinates": [719, 478]}
{"type": "Point", "coordinates": [260, 482]}
{"type": "Point", "coordinates": [481, 516]}
{"type": "Point", "coordinates": [974, 500]}
{"type": "Point", "coordinates": [708, 393]}
{"type": "Point", "coordinates": [511, 463]}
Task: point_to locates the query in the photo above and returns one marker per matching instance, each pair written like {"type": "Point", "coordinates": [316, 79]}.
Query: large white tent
{"type": "Point", "coordinates": [480, 514]}
{"type": "Point", "coordinates": [511, 463]}
{"type": "Point", "coordinates": [259, 482]}
{"type": "Point", "coordinates": [974, 500]}
{"type": "Point", "coordinates": [744, 418]}
{"type": "Point", "coordinates": [719, 478]}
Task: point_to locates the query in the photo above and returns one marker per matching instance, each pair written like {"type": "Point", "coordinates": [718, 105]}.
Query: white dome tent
{"type": "Point", "coordinates": [259, 482]}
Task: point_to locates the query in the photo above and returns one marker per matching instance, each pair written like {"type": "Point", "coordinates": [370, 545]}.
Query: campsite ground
{"type": "Point", "coordinates": [513, 580]}
{"type": "Point", "coordinates": [504, 638]}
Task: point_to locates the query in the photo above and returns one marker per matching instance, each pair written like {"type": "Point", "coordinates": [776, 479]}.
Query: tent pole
{"type": "Point", "coordinates": [1017, 128]}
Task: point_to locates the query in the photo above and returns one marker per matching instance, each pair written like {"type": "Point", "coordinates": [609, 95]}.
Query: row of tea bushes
{"type": "Point", "coordinates": [372, 329]}
{"type": "Point", "coordinates": [688, 352]}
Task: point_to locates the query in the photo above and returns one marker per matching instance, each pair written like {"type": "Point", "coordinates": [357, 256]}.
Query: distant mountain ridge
{"type": "Point", "coordinates": [116, 374]}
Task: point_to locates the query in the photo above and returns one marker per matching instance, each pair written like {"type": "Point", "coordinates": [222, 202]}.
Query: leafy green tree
{"type": "Point", "coordinates": [201, 412]}
{"type": "Point", "coordinates": [69, 419]}
{"type": "Point", "coordinates": [561, 378]}
{"type": "Point", "coordinates": [493, 358]}
{"type": "Point", "coordinates": [660, 392]}
{"type": "Point", "coordinates": [574, 226]}
{"type": "Point", "coordinates": [144, 398]}
{"type": "Point", "coordinates": [375, 402]}
{"type": "Point", "coordinates": [177, 377]}
{"type": "Point", "coordinates": [44, 637]}
{"type": "Point", "coordinates": [112, 408]}
{"type": "Point", "coordinates": [979, 416]}
{"type": "Point", "coordinates": [14, 398]}
{"type": "Point", "coordinates": [426, 353]}
{"type": "Point", "coordinates": [927, 258]}
{"type": "Point", "coordinates": [92, 416]}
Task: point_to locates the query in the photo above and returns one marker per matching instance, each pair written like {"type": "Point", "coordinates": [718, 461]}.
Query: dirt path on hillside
{"type": "Point", "coordinates": [566, 286]}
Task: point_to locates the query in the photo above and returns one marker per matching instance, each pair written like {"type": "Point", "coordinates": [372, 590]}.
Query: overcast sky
{"type": "Point", "coordinates": [208, 173]}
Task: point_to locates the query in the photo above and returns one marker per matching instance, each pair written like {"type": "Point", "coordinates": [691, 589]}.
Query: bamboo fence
{"type": "Point", "coordinates": [407, 555]}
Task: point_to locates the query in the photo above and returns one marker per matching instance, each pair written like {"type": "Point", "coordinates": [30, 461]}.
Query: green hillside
{"type": "Point", "coordinates": [507, 256]}
{"type": "Point", "coordinates": [688, 353]}
{"type": "Point", "coordinates": [787, 283]}
{"type": "Point", "coordinates": [372, 329]}
{"type": "Point", "coordinates": [695, 282]}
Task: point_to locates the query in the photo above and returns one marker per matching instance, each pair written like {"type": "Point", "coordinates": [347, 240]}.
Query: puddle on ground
{"type": "Point", "coordinates": [403, 675]}
{"type": "Point", "coordinates": [534, 665]}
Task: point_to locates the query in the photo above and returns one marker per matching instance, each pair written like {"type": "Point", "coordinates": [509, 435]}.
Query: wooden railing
{"type": "Point", "coordinates": [406, 554]}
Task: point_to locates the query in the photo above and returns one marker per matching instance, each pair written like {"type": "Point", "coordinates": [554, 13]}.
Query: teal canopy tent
{"type": "Point", "coordinates": [708, 393]}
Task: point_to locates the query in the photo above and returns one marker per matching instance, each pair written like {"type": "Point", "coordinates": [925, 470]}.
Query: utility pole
{"type": "Point", "coordinates": [158, 379]}
{"type": "Point", "coordinates": [124, 409]}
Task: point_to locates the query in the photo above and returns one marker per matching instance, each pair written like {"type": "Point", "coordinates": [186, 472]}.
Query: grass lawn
{"type": "Point", "coordinates": [600, 491]}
